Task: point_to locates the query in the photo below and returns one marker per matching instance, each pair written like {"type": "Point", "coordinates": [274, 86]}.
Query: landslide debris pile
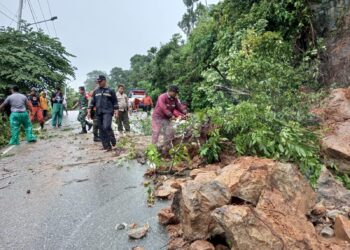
{"type": "Point", "coordinates": [252, 203]}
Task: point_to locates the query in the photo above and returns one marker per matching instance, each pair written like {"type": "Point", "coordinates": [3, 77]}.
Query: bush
{"type": "Point", "coordinates": [5, 132]}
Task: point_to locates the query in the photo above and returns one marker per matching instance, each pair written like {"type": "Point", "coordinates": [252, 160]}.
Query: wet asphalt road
{"type": "Point", "coordinates": [77, 196]}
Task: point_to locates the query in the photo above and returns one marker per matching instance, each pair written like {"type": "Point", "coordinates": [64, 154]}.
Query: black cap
{"type": "Point", "coordinates": [101, 78]}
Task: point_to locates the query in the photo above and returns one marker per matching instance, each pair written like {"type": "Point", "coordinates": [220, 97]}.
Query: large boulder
{"type": "Point", "coordinates": [193, 205]}
{"type": "Point", "coordinates": [247, 177]}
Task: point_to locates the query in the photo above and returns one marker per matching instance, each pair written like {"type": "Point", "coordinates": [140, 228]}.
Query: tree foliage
{"type": "Point", "coordinates": [32, 59]}
{"type": "Point", "coordinates": [243, 64]}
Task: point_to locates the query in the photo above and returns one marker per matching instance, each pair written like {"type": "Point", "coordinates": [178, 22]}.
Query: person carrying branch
{"type": "Point", "coordinates": [164, 113]}
{"type": "Point", "coordinates": [36, 114]}
{"type": "Point", "coordinates": [19, 116]}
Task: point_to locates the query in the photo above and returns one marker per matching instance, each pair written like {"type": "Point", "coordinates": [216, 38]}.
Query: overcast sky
{"type": "Point", "coordinates": [103, 33]}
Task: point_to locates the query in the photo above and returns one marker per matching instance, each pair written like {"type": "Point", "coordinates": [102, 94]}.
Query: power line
{"type": "Point", "coordinates": [33, 14]}
{"type": "Point", "coordinates": [7, 9]}
{"type": "Point", "coordinates": [53, 24]}
{"type": "Point", "coordinates": [44, 18]}
{"type": "Point", "coordinates": [7, 16]}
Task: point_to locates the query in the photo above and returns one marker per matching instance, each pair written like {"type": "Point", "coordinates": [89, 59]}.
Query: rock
{"type": "Point", "coordinates": [336, 115]}
{"type": "Point", "coordinates": [121, 226]}
{"type": "Point", "coordinates": [205, 177]}
{"type": "Point", "coordinates": [327, 232]}
{"type": "Point", "coordinates": [174, 231]}
{"type": "Point", "coordinates": [177, 244]}
{"type": "Point", "coordinates": [333, 214]}
{"type": "Point", "coordinates": [193, 205]}
{"type": "Point", "coordinates": [221, 247]}
{"type": "Point", "coordinates": [166, 217]}
{"type": "Point", "coordinates": [342, 228]}
{"type": "Point", "coordinates": [208, 169]}
{"type": "Point", "coordinates": [202, 245]}
{"type": "Point", "coordinates": [246, 177]}
{"type": "Point", "coordinates": [138, 248]}
{"type": "Point", "coordinates": [163, 194]}
{"type": "Point", "coordinates": [333, 194]}
{"type": "Point", "coordinates": [319, 209]}
{"type": "Point", "coordinates": [138, 233]}
{"type": "Point", "coordinates": [250, 228]}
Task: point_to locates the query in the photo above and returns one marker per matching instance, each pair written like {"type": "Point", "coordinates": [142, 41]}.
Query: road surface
{"type": "Point", "coordinates": [64, 193]}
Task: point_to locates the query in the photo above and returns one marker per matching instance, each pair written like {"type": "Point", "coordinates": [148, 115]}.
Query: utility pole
{"type": "Point", "coordinates": [20, 8]}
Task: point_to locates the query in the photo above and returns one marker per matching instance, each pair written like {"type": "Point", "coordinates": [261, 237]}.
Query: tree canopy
{"type": "Point", "coordinates": [32, 59]}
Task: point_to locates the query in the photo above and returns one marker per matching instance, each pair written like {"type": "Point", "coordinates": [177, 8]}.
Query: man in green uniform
{"type": "Point", "coordinates": [83, 105]}
{"type": "Point", "coordinates": [19, 116]}
{"type": "Point", "coordinates": [57, 108]}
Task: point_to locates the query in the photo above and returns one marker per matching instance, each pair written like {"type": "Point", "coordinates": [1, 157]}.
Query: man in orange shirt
{"type": "Point", "coordinates": [148, 103]}
{"type": "Point", "coordinates": [36, 113]}
{"type": "Point", "coordinates": [44, 104]}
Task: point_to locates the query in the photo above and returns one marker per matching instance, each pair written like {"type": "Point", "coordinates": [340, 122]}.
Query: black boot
{"type": "Point", "coordinates": [89, 126]}
{"type": "Point", "coordinates": [42, 126]}
{"type": "Point", "coordinates": [97, 139]}
{"type": "Point", "coordinates": [83, 131]}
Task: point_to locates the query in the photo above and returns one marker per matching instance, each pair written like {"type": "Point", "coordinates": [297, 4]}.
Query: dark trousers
{"type": "Point", "coordinates": [106, 131]}
{"type": "Point", "coordinates": [147, 108]}
{"type": "Point", "coordinates": [123, 120]}
{"type": "Point", "coordinates": [95, 130]}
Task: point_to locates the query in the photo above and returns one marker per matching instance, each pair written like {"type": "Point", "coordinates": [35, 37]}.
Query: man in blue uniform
{"type": "Point", "coordinates": [105, 101]}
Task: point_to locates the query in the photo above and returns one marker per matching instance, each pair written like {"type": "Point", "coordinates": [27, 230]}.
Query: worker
{"type": "Point", "coordinates": [106, 103]}
{"type": "Point", "coordinates": [36, 112]}
{"type": "Point", "coordinates": [123, 114]}
{"type": "Point", "coordinates": [44, 104]}
{"type": "Point", "coordinates": [148, 103]}
{"type": "Point", "coordinates": [57, 108]}
{"type": "Point", "coordinates": [95, 128]}
{"type": "Point", "coordinates": [83, 105]}
{"type": "Point", "coordinates": [19, 116]}
{"type": "Point", "coordinates": [163, 114]}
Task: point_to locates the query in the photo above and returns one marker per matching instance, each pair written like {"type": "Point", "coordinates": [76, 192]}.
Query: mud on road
{"type": "Point", "coordinates": [64, 193]}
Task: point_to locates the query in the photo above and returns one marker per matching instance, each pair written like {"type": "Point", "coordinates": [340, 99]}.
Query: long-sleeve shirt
{"type": "Point", "coordinates": [105, 101]}
{"type": "Point", "coordinates": [44, 103]}
{"type": "Point", "coordinates": [166, 106]}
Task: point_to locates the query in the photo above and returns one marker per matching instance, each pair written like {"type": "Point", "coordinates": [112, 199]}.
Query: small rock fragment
{"type": "Point", "coordinates": [202, 245]}
{"type": "Point", "coordinates": [28, 191]}
{"type": "Point", "coordinates": [333, 214]}
{"type": "Point", "coordinates": [166, 217]}
{"type": "Point", "coordinates": [163, 194]}
{"type": "Point", "coordinates": [327, 232]}
{"type": "Point", "coordinates": [319, 209]}
{"type": "Point", "coordinates": [120, 226]}
{"type": "Point", "coordinates": [137, 248]}
{"type": "Point", "coordinates": [138, 233]}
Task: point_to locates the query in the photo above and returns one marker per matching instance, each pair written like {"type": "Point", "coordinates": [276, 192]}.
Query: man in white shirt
{"type": "Point", "coordinates": [123, 114]}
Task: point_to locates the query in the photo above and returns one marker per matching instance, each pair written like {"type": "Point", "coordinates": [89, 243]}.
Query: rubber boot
{"type": "Point", "coordinates": [89, 125]}
{"type": "Point", "coordinates": [83, 131]}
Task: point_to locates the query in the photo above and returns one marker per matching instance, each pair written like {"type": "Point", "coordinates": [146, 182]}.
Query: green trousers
{"type": "Point", "coordinates": [81, 117]}
{"type": "Point", "coordinates": [123, 119]}
{"type": "Point", "coordinates": [57, 114]}
{"type": "Point", "coordinates": [16, 120]}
